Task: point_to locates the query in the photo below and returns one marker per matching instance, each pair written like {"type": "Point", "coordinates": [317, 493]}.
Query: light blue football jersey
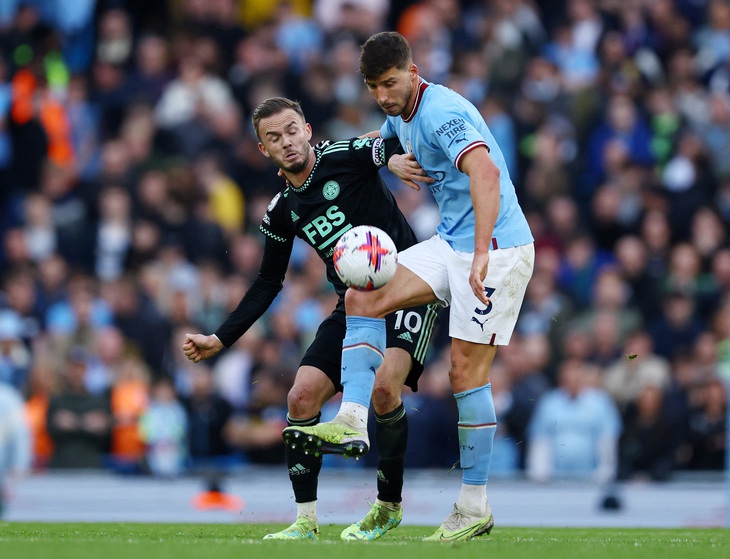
{"type": "Point", "coordinates": [440, 130]}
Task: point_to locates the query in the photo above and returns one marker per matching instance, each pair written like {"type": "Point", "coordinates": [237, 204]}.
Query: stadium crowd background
{"type": "Point", "coordinates": [131, 189]}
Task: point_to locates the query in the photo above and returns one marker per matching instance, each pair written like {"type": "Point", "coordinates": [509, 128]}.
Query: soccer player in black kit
{"type": "Point", "coordinates": [331, 188]}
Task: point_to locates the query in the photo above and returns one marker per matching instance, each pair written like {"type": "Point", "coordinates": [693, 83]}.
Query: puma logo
{"type": "Point", "coordinates": [458, 139]}
{"type": "Point", "coordinates": [481, 324]}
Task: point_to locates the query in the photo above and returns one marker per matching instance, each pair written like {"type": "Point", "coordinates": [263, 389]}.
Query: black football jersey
{"type": "Point", "coordinates": [343, 190]}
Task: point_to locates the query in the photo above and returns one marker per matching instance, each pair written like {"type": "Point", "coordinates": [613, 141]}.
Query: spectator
{"type": "Point", "coordinates": [106, 355]}
{"type": "Point", "coordinates": [432, 438]}
{"type": "Point", "coordinates": [77, 318]}
{"type": "Point", "coordinates": [39, 228]}
{"type": "Point", "coordinates": [627, 377]}
{"type": "Point", "coordinates": [257, 431]}
{"type": "Point", "coordinates": [208, 416]}
{"type": "Point", "coordinates": [677, 327]}
{"type": "Point", "coordinates": [21, 298]}
{"type": "Point", "coordinates": [139, 320]}
{"type": "Point", "coordinates": [163, 428]}
{"type": "Point", "coordinates": [190, 101]}
{"type": "Point", "coordinates": [15, 359]}
{"type": "Point", "coordinates": [79, 423]}
{"type": "Point", "coordinates": [233, 371]}
{"type": "Point", "coordinates": [506, 460]}
{"type": "Point", "coordinates": [84, 123]}
{"type": "Point", "coordinates": [152, 72]}
{"type": "Point", "coordinates": [649, 441]}
{"type": "Point", "coordinates": [53, 275]}
{"type": "Point", "coordinates": [545, 310]}
{"type": "Point", "coordinates": [113, 233]}
{"type": "Point", "coordinates": [580, 268]}
{"type": "Point", "coordinates": [574, 431]}
{"type": "Point", "coordinates": [129, 398]}
{"type": "Point", "coordinates": [688, 183]}
{"type": "Point", "coordinates": [526, 363]}
{"type": "Point", "coordinates": [632, 263]}
{"type": "Point", "coordinates": [657, 235]}
{"type": "Point", "coordinates": [686, 273]}
{"type": "Point", "coordinates": [623, 124]}
{"type": "Point", "coordinates": [608, 298]}
{"type": "Point", "coordinates": [707, 438]}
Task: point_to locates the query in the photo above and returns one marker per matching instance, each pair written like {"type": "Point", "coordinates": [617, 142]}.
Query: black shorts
{"type": "Point", "coordinates": [410, 329]}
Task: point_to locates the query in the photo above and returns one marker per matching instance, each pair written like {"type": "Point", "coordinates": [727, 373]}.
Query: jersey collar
{"type": "Point", "coordinates": [308, 182]}
{"type": "Point", "coordinates": [419, 95]}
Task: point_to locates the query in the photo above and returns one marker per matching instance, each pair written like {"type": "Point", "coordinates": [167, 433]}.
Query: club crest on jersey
{"type": "Point", "coordinates": [409, 147]}
{"type": "Point", "coordinates": [330, 190]}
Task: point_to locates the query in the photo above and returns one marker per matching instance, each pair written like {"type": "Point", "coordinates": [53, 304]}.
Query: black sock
{"type": "Point", "coordinates": [391, 437]}
{"type": "Point", "coordinates": [303, 468]}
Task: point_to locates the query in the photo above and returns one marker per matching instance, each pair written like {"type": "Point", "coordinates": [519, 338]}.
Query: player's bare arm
{"type": "Point", "coordinates": [484, 187]}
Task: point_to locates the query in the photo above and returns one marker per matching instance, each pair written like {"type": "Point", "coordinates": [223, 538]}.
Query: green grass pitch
{"type": "Point", "coordinates": [216, 541]}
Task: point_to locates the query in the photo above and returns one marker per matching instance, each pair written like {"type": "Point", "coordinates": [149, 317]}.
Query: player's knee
{"type": "Point", "coordinates": [465, 375]}
{"type": "Point", "coordinates": [361, 303]}
{"type": "Point", "coordinates": [302, 402]}
{"type": "Point", "coordinates": [385, 397]}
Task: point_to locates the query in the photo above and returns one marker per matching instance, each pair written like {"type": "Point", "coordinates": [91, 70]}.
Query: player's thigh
{"type": "Point", "coordinates": [405, 289]}
{"type": "Point", "coordinates": [425, 277]}
{"type": "Point", "coordinates": [507, 277]}
{"type": "Point", "coordinates": [410, 330]}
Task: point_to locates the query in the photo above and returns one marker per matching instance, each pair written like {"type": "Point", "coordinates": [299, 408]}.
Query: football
{"type": "Point", "coordinates": [365, 258]}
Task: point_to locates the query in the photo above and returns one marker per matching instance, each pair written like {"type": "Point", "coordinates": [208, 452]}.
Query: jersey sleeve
{"type": "Point", "coordinates": [273, 224]}
{"type": "Point", "coordinates": [269, 281]}
{"type": "Point", "coordinates": [261, 294]}
{"type": "Point", "coordinates": [372, 153]}
{"type": "Point", "coordinates": [387, 130]}
{"type": "Point", "coordinates": [452, 129]}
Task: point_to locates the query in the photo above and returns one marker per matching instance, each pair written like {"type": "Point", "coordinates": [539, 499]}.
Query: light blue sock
{"type": "Point", "coordinates": [362, 353]}
{"type": "Point", "coordinates": [477, 424]}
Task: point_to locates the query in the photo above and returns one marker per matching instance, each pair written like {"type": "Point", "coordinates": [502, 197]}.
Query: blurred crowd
{"type": "Point", "coordinates": [131, 190]}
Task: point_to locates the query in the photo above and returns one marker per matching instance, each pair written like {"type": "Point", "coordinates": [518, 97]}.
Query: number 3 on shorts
{"type": "Point", "coordinates": [488, 291]}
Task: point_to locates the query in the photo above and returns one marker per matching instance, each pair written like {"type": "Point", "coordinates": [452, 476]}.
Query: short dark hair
{"type": "Point", "coordinates": [272, 106]}
{"type": "Point", "coordinates": [384, 51]}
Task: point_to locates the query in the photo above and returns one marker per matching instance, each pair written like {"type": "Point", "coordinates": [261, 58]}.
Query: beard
{"type": "Point", "coordinates": [297, 166]}
{"type": "Point", "coordinates": [401, 105]}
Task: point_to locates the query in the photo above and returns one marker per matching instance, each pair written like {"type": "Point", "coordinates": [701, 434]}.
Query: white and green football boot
{"type": "Point", "coordinates": [328, 438]}
{"type": "Point", "coordinates": [302, 529]}
{"type": "Point", "coordinates": [460, 526]}
{"type": "Point", "coordinates": [382, 518]}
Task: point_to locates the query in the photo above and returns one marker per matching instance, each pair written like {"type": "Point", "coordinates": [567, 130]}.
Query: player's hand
{"type": "Point", "coordinates": [479, 267]}
{"type": "Point", "coordinates": [408, 170]}
{"type": "Point", "coordinates": [199, 346]}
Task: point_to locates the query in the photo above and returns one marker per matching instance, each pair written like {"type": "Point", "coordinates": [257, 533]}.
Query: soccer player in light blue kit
{"type": "Point", "coordinates": [479, 263]}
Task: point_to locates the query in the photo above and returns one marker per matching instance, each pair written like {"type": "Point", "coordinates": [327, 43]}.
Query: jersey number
{"type": "Point", "coordinates": [411, 320]}
{"type": "Point", "coordinates": [488, 291]}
